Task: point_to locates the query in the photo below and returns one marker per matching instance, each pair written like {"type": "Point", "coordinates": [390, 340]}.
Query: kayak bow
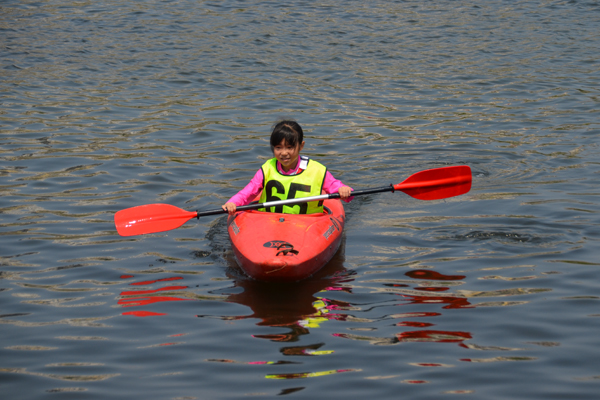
{"type": "Point", "coordinates": [274, 247]}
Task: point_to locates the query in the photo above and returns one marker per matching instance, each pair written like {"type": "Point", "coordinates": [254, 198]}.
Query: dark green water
{"type": "Point", "coordinates": [107, 105]}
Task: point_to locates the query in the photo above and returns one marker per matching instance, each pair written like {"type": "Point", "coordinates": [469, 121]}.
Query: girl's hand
{"type": "Point", "coordinates": [344, 192]}
{"type": "Point", "coordinates": [229, 207]}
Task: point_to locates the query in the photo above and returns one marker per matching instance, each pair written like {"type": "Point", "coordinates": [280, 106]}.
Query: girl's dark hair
{"type": "Point", "coordinates": [287, 130]}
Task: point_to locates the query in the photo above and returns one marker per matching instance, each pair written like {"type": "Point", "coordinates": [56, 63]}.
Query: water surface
{"type": "Point", "coordinates": [108, 105]}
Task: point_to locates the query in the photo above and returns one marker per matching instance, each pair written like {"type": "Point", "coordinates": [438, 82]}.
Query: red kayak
{"type": "Point", "coordinates": [275, 247]}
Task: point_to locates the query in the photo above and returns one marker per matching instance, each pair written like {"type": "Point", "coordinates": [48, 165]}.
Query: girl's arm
{"type": "Point", "coordinates": [247, 194]}
{"type": "Point", "coordinates": [332, 185]}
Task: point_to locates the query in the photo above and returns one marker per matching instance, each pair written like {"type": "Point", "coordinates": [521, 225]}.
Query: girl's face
{"type": "Point", "coordinates": [287, 155]}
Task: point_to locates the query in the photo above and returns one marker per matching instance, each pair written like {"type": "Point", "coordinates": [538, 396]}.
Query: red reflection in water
{"type": "Point", "coordinates": [414, 324]}
{"type": "Point", "coordinates": [334, 305]}
{"type": "Point", "coordinates": [144, 301]}
{"type": "Point", "coordinates": [146, 297]}
{"type": "Point", "coordinates": [143, 313]}
{"type": "Point", "coordinates": [338, 289]}
{"type": "Point", "coordinates": [452, 302]}
{"type": "Point", "coordinates": [139, 292]}
{"type": "Point", "coordinates": [433, 336]}
{"type": "Point", "coordinates": [174, 278]}
{"type": "Point", "coordinates": [432, 275]}
{"type": "Point", "coordinates": [432, 289]}
{"type": "Point", "coordinates": [447, 302]}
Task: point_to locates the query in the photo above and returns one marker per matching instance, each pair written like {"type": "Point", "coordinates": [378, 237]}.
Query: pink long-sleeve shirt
{"type": "Point", "coordinates": [252, 189]}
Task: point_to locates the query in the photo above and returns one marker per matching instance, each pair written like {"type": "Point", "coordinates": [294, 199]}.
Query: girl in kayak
{"type": "Point", "coordinates": [289, 175]}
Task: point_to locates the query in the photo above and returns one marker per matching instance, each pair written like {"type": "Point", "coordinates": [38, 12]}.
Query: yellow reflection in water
{"type": "Point", "coordinates": [310, 374]}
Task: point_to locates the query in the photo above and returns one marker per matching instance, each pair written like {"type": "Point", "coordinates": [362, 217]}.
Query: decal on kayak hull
{"type": "Point", "coordinates": [276, 243]}
{"type": "Point", "coordinates": [329, 231]}
{"type": "Point", "coordinates": [234, 227]}
{"type": "Point", "coordinates": [284, 247]}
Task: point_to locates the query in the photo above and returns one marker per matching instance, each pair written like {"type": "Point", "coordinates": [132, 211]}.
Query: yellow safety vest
{"type": "Point", "coordinates": [307, 183]}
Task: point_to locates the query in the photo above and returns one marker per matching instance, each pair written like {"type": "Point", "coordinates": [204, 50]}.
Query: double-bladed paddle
{"type": "Point", "coordinates": [431, 184]}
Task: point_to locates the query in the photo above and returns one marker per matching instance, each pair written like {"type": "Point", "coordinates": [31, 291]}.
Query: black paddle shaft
{"type": "Point", "coordinates": [256, 206]}
{"type": "Point", "coordinates": [366, 191]}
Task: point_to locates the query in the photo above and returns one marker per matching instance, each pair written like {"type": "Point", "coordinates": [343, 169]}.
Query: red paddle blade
{"type": "Point", "coordinates": [151, 218]}
{"type": "Point", "coordinates": [437, 183]}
